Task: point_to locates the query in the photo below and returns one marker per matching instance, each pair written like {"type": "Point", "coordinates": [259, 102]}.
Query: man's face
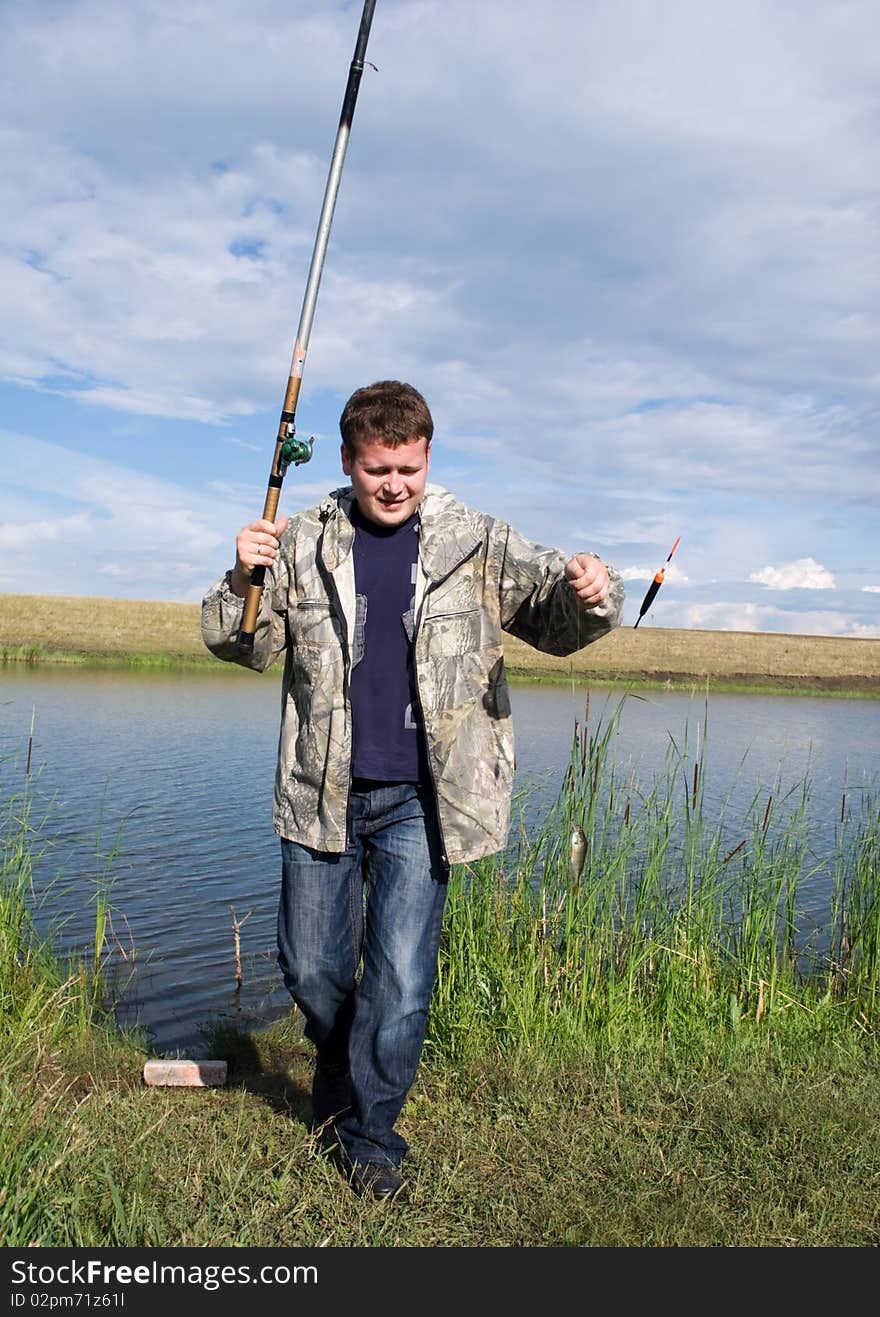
{"type": "Point", "coordinates": [388, 482]}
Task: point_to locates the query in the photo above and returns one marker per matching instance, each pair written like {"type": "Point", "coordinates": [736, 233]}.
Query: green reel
{"type": "Point", "coordinates": [296, 451]}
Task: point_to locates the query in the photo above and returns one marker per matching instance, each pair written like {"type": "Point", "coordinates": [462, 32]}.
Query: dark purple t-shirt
{"type": "Point", "coordinates": [387, 742]}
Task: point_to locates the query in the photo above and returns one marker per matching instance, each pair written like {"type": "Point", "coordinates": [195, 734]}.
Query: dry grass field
{"type": "Point", "coordinates": [737, 658]}
{"type": "Point", "coordinates": [44, 628]}
{"type": "Point", "coordinates": [100, 628]}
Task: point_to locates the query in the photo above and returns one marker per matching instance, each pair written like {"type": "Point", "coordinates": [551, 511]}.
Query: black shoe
{"type": "Point", "coordinates": [370, 1180]}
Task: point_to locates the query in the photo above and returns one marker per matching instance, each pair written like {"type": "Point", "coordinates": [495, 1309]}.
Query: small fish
{"type": "Point", "coordinates": [577, 852]}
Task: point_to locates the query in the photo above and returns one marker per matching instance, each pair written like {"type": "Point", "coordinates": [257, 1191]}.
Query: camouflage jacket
{"type": "Point", "coordinates": [477, 579]}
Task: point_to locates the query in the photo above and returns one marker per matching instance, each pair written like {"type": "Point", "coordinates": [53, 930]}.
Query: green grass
{"type": "Point", "coordinates": [664, 1053]}
{"type": "Point", "coordinates": [812, 687]}
{"type": "Point", "coordinates": [670, 931]}
{"type": "Point", "coordinates": [38, 654]}
{"type": "Point", "coordinates": [47, 1013]}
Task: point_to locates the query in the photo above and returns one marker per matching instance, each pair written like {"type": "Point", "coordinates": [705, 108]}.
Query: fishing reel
{"type": "Point", "coordinates": [293, 450]}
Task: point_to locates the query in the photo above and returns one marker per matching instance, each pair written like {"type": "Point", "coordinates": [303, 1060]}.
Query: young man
{"type": "Point", "coordinates": [389, 600]}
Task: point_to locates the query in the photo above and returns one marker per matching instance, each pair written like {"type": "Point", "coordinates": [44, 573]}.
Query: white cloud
{"type": "Point", "coordinates": [175, 540]}
{"type": "Point", "coordinates": [427, 268]}
{"type": "Point", "coordinates": [30, 537]}
{"type": "Point", "coordinates": [635, 277]}
{"type": "Point", "coordinates": [871, 589]}
{"type": "Point", "coordinates": [673, 575]}
{"type": "Point", "coordinates": [804, 574]}
{"type": "Point", "coordinates": [727, 616]}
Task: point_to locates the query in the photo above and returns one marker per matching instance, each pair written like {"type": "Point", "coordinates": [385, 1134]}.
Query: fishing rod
{"type": "Point", "coordinates": [655, 585]}
{"type": "Point", "coordinates": [287, 447]}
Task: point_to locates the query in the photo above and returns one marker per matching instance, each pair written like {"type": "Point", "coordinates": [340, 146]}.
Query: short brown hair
{"type": "Point", "coordinates": [388, 410]}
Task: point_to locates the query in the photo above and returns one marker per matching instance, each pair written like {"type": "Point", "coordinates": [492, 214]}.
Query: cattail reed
{"type": "Point", "coordinates": [767, 814]}
{"type": "Point", "coordinates": [27, 769]}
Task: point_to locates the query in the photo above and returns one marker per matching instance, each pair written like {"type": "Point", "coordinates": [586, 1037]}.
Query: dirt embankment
{"type": "Point", "coordinates": [42, 626]}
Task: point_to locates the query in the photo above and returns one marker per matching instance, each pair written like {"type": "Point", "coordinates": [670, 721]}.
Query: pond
{"type": "Point", "coordinates": [157, 789]}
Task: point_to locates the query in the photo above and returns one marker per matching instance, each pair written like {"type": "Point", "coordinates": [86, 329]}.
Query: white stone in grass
{"type": "Point", "coordinates": [185, 1074]}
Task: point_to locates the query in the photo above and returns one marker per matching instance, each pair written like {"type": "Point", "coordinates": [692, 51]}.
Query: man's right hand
{"type": "Point", "coordinates": [256, 545]}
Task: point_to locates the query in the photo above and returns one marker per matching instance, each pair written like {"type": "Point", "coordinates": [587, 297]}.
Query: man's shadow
{"type": "Point", "coordinates": [276, 1067]}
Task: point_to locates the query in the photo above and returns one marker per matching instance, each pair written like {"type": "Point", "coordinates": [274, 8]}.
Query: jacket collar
{"type": "Point", "coordinates": [448, 531]}
{"type": "Point", "coordinates": [338, 535]}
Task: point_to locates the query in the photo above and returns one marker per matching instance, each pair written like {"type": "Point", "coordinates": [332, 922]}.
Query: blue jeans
{"type": "Point", "coordinates": [358, 937]}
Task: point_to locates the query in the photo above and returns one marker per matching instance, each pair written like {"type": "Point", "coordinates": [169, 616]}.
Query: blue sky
{"type": "Point", "coordinates": [628, 252]}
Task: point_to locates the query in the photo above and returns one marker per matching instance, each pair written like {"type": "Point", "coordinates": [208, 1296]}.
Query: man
{"type": "Point", "coordinates": [389, 600]}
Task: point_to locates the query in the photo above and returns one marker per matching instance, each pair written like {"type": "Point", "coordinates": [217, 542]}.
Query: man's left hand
{"type": "Point", "coordinates": [588, 577]}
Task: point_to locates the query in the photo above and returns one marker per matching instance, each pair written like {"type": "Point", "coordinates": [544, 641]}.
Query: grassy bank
{"type": "Point", "coordinates": [660, 1051]}
{"type": "Point", "coordinates": [42, 629]}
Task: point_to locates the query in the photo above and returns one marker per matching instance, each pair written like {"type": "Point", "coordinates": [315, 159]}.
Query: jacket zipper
{"type": "Point", "coordinates": [417, 626]}
{"type": "Point", "coordinates": [336, 603]}
{"type": "Point", "coordinates": [416, 630]}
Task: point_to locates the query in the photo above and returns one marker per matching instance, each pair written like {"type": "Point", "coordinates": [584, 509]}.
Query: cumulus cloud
{"type": "Point", "coordinates": [871, 589]}
{"type": "Point", "coordinates": [28, 537]}
{"type": "Point", "coordinates": [673, 575]}
{"type": "Point", "coordinates": [158, 539]}
{"type": "Point", "coordinates": [803, 574]}
{"type": "Point", "coordinates": [647, 305]}
{"type": "Point", "coordinates": [686, 287]}
{"type": "Point", "coordinates": [759, 617]}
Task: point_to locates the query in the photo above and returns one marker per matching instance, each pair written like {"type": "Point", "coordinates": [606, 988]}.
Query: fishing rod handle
{"type": "Point", "coordinates": [257, 580]}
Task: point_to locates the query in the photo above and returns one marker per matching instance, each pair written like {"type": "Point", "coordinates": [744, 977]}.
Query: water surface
{"type": "Point", "coordinates": [161, 785]}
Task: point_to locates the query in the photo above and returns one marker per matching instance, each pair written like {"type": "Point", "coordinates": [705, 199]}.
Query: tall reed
{"type": "Point", "coordinates": [37, 1006]}
{"type": "Point", "coordinates": [52, 1014]}
{"type": "Point", "coordinates": [671, 930]}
